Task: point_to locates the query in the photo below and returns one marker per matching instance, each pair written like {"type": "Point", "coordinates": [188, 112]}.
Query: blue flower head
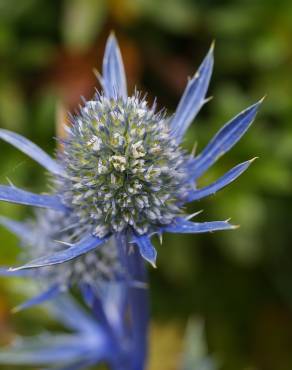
{"type": "Point", "coordinates": [123, 170]}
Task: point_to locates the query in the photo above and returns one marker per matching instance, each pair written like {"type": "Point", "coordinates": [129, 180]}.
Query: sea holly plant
{"type": "Point", "coordinates": [120, 177]}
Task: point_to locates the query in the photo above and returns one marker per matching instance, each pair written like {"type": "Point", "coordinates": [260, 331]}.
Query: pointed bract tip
{"type": "Point", "coordinates": [13, 269]}
{"type": "Point", "coordinates": [64, 243]}
{"type": "Point", "coordinates": [97, 74]}
{"type": "Point", "coordinates": [112, 33]}
{"type": "Point", "coordinates": [10, 182]}
{"type": "Point", "coordinates": [153, 264]}
{"type": "Point", "coordinates": [232, 227]}
{"type": "Point", "coordinates": [195, 76]}
{"type": "Point", "coordinates": [259, 102]}
{"type": "Point", "coordinates": [194, 149]}
{"type": "Point", "coordinates": [255, 105]}
{"type": "Point", "coordinates": [208, 99]}
{"type": "Point", "coordinates": [112, 37]}
{"type": "Point", "coordinates": [252, 160]}
{"type": "Point", "coordinates": [189, 217]}
{"type": "Point", "coordinates": [212, 47]}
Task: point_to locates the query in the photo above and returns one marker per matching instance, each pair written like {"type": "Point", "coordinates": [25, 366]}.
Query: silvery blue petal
{"type": "Point", "coordinates": [224, 140]}
{"type": "Point", "coordinates": [114, 79]}
{"type": "Point", "coordinates": [193, 98]}
{"type": "Point", "coordinates": [4, 271]}
{"type": "Point", "coordinates": [43, 350]}
{"type": "Point", "coordinates": [94, 302]}
{"type": "Point", "coordinates": [14, 195]}
{"type": "Point", "coordinates": [32, 150]}
{"type": "Point", "coordinates": [115, 302]}
{"type": "Point", "coordinates": [184, 226]}
{"type": "Point", "coordinates": [100, 314]}
{"type": "Point", "coordinates": [72, 314]}
{"type": "Point", "coordinates": [146, 249]}
{"type": "Point", "coordinates": [20, 229]}
{"type": "Point", "coordinates": [223, 181]}
{"type": "Point", "coordinates": [75, 250]}
{"type": "Point", "coordinates": [48, 294]}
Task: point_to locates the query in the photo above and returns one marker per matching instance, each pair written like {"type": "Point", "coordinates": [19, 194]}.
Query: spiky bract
{"type": "Point", "coordinates": [45, 234]}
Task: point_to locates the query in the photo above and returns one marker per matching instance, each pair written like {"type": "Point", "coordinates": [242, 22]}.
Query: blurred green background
{"type": "Point", "coordinates": [240, 282]}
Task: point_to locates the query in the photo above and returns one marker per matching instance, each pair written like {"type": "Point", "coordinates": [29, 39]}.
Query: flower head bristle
{"type": "Point", "coordinates": [124, 167]}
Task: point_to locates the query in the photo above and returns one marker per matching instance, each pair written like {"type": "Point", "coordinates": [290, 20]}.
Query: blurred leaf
{"type": "Point", "coordinates": [36, 53]}
{"type": "Point", "coordinates": [174, 15]}
{"type": "Point", "coordinates": [247, 210]}
{"type": "Point", "coordinates": [12, 108]}
{"type": "Point", "coordinates": [82, 22]}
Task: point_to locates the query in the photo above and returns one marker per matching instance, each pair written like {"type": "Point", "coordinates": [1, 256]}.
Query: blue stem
{"type": "Point", "coordinates": [138, 299]}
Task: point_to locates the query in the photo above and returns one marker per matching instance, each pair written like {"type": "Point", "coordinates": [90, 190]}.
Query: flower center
{"type": "Point", "coordinates": [124, 168]}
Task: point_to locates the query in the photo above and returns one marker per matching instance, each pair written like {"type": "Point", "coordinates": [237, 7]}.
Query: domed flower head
{"type": "Point", "coordinates": [123, 170]}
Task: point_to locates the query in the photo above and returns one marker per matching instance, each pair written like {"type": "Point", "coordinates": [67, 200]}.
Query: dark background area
{"type": "Point", "coordinates": [239, 282]}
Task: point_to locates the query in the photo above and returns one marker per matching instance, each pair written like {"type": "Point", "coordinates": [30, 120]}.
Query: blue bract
{"type": "Point", "coordinates": [123, 170]}
{"type": "Point", "coordinates": [94, 338]}
{"type": "Point", "coordinates": [41, 235]}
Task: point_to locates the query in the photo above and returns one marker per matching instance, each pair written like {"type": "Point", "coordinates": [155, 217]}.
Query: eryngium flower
{"type": "Point", "coordinates": [123, 169]}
